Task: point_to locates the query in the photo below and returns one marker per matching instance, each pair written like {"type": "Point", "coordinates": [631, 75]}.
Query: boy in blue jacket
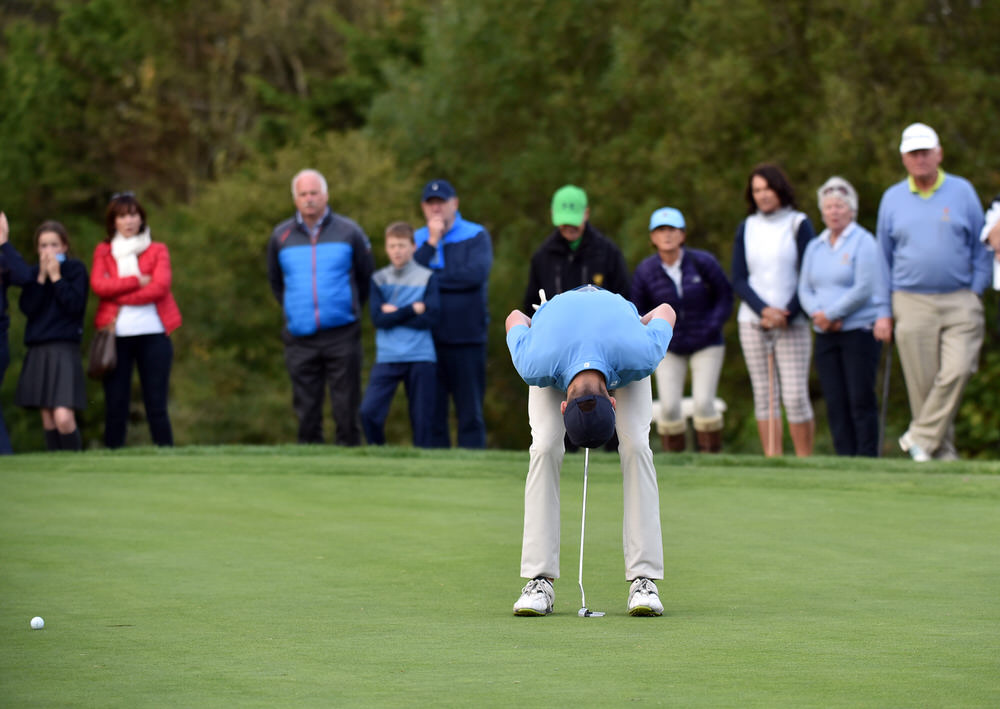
{"type": "Point", "coordinates": [404, 307]}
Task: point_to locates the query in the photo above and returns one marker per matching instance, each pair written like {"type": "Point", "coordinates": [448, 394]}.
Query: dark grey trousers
{"type": "Point", "coordinates": [330, 359]}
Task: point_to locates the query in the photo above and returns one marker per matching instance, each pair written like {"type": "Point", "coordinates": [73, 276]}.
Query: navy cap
{"type": "Point", "coordinates": [589, 421]}
{"type": "Point", "coordinates": [438, 189]}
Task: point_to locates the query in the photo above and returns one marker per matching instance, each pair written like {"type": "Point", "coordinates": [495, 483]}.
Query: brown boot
{"type": "Point", "coordinates": [709, 441]}
{"type": "Point", "coordinates": [674, 442]}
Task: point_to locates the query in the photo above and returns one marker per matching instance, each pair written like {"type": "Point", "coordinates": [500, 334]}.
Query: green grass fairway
{"type": "Point", "coordinates": [321, 577]}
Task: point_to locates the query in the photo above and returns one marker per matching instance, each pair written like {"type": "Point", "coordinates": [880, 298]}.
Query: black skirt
{"type": "Point", "coordinates": [52, 376]}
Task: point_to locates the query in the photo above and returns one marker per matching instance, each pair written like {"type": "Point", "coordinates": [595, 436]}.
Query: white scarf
{"type": "Point", "coordinates": [126, 252]}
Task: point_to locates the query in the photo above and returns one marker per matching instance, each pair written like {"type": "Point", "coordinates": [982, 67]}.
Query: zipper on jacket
{"type": "Point", "coordinates": [312, 238]}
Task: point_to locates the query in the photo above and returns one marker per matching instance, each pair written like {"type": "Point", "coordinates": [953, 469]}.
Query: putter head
{"type": "Point", "coordinates": [587, 613]}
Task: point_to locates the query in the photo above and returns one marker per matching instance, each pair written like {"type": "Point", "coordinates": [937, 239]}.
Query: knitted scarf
{"type": "Point", "coordinates": [126, 251]}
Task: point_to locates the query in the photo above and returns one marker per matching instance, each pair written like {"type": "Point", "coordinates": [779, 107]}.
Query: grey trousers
{"type": "Point", "coordinates": [330, 359]}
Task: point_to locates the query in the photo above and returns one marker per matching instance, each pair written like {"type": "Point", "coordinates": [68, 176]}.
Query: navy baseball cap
{"type": "Point", "coordinates": [438, 189]}
{"type": "Point", "coordinates": [589, 421]}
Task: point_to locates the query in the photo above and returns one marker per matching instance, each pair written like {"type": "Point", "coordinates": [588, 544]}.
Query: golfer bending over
{"type": "Point", "coordinates": [590, 343]}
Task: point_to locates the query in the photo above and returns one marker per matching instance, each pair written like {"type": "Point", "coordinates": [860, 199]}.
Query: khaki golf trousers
{"type": "Point", "coordinates": [938, 337]}
{"type": "Point", "coordinates": [642, 538]}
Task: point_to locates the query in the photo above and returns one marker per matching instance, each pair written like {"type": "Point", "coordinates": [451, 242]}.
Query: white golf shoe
{"type": "Point", "coordinates": [643, 598]}
{"type": "Point", "coordinates": [536, 598]}
{"type": "Point", "coordinates": [918, 454]}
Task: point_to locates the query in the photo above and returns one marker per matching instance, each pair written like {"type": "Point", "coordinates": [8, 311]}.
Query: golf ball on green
{"type": "Point", "coordinates": [37, 623]}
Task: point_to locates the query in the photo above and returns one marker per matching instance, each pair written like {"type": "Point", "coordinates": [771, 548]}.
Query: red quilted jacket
{"type": "Point", "coordinates": [115, 292]}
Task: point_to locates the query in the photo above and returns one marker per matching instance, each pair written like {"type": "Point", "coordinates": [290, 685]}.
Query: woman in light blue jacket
{"type": "Point", "coordinates": [839, 288]}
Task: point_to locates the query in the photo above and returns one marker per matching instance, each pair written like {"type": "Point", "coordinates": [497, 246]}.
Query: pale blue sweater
{"type": "Point", "coordinates": [587, 328]}
{"type": "Point", "coordinates": [932, 245]}
{"type": "Point", "coordinates": [845, 281]}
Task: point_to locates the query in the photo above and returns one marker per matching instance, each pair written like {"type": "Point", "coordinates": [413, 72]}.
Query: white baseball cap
{"type": "Point", "coordinates": [918, 136]}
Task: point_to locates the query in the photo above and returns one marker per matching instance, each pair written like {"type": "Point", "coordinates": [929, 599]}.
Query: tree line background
{"type": "Point", "coordinates": [206, 110]}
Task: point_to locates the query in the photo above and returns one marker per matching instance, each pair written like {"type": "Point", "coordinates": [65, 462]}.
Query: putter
{"type": "Point", "coordinates": [585, 612]}
{"type": "Point", "coordinates": [885, 397]}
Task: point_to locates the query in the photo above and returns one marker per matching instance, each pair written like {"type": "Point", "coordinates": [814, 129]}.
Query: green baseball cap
{"type": "Point", "coordinates": [569, 206]}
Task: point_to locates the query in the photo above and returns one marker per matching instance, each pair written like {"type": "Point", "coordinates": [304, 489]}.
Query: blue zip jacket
{"type": "Point", "coordinates": [704, 307]}
{"type": "Point", "coordinates": [402, 335]}
{"type": "Point", "coordinates": [462, 262]}
{"type": "Point", "coordinates": [321, 279]}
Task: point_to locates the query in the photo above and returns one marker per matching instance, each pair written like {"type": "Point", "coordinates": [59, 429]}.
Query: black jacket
{"type": "Point", "coordinates": [557, 268]}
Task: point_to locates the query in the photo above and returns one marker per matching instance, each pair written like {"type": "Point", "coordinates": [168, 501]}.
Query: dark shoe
{"type": "Point", "coordinates": [709, 441]}
{"type": "Point", "coordinates": [674, 442]}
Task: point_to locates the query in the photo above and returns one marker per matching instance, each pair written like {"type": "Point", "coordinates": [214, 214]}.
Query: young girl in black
{"type": "Point", "coordinates": [54, 303]}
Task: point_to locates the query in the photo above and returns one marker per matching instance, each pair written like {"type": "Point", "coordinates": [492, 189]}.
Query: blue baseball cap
{"type": "Point", "coordinates": [666, 216]}
{"type": "Point", "coordinates": [438, 189]}
{"type": "Point", "coordinates": [589, 421]}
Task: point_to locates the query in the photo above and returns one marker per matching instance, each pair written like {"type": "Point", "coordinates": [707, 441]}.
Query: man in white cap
{"type": "Point", "coordinates": [928, 228]}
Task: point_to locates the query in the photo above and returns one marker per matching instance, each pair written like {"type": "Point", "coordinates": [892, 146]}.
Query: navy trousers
{"type": "Point", "coordinates": [419, 380]}
{"type": "Point", "coordinates": [847, 363]}
{"type": "Point", "coordinates": [154, 356]}
{"type": "Point", "coordinates": [5, 447]}
{"type": "Point", "coordinates": [461, 376]}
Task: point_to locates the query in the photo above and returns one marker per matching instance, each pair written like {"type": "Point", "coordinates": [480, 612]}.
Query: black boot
{"type": "Point", "coordinates": [52, 439]}
{"type": "Point", "coordinates": [71, 441]}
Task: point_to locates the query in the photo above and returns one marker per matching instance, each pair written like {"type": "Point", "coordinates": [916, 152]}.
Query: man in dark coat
{"type": "Point", "coordinates": [575, 254]}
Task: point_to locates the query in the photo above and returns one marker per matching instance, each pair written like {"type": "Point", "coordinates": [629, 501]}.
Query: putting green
{"type": "Point", "coordinates": [294, 577]}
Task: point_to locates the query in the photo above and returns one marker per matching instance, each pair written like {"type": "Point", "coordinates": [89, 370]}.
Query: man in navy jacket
{"type": "Point", "coordinates": [460, 253]}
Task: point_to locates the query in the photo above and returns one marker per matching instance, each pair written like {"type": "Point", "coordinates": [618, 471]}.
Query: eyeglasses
{"type": "Point", "coordinates": [836, 188]}
{"type": "Point", "coordinates": [119, 195]}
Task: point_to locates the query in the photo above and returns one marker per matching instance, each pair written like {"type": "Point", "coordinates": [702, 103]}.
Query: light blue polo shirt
{"type": "Point", "coordinates": [587, 328]}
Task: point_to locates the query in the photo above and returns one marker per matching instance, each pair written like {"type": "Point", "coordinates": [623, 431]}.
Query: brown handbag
{"type": "Point", "coordinates": [103, 357]}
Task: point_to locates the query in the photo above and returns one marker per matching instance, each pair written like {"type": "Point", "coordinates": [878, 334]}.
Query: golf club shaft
{"type": "Point", "coordinates": [583, 523]}
{"type": "Point", "coordinates": [885, 397]}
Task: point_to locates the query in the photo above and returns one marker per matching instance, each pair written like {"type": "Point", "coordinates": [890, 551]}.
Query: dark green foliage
{"type": "Point", "coordinates": [207, 110]}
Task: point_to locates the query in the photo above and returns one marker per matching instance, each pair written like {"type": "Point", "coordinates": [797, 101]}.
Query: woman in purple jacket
{"type": "Point", "coordinates": [693, 283]}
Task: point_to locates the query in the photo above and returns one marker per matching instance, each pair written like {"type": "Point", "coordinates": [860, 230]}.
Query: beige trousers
{"type": "Point", "coordinates": [938, 337]}
{"type": "Point", "coordinates": [641, 535]}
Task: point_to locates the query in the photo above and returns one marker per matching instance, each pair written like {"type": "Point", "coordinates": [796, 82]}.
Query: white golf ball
{"type": "Point", "coordinates": [37, 623]}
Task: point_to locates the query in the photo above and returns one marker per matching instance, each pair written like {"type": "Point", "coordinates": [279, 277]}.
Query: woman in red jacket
{"type": "Point", "coordinates": [131, 276]}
